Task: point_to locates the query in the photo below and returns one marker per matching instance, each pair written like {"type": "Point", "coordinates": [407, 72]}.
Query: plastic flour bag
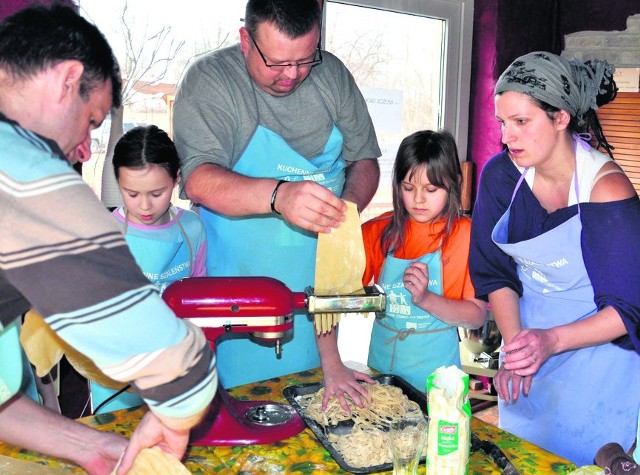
{"type": "Point", "coordinates": [449, 422]}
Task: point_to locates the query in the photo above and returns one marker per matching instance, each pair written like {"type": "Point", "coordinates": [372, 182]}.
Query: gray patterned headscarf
{"type": "Point", "coordinates": [569, 85]}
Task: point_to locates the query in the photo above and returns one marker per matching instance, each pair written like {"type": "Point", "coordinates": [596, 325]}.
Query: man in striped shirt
{"type": "Point", "coordinates": [62, 254]}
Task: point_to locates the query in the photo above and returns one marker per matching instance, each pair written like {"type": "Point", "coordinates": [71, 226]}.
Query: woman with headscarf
{"type": "Point", "coordinates": [556, 251]}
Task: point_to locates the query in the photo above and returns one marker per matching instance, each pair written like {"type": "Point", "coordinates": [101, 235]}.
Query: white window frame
{"type": "Point", "coordinates": [458, 15]}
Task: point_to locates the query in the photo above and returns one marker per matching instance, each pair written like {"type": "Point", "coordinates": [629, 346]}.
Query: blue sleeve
{"type": "Point", "coordinates": [491, 269]}
{"type": "Point", "coordinates": [611, 250]}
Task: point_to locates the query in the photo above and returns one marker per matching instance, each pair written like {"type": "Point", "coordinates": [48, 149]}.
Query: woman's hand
{"type": "Point", "coordinates": [152, 432]}
{"type": "Point", "coordinates": [528, 351]}
{"type": "Point", "coordinates": [524, 356]}
{"type": "Point", "coordinates": [508, 384]}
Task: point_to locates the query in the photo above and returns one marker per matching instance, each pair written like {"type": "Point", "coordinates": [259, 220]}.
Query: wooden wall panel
{"type": "Point", "coordinates": [620, 122]}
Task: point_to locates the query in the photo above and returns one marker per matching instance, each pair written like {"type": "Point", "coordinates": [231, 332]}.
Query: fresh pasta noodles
{"type": "Point", "coordinates": [367, 444]}
{"type": "Point", "coordinates": [388, 403]}
{"type": "Point", "coordinates": [363, 447]}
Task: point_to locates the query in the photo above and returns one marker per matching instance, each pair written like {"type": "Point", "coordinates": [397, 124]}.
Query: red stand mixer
{"type": "Point", "coordinates": [264, 308]}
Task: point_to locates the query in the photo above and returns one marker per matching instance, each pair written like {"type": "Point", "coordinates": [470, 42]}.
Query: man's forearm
{"type": "Point", "coordinates": [362, 178]}
{"type": "Point", "coordinates": [20, 412]}
{"type": "Point", "coordinates": [229, 193]}
{"type": "Point", "coordinates": [26, 424]}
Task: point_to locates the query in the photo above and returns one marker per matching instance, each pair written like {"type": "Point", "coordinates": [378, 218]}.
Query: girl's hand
{"type": "Point", "coordinates": [342, 381]}
{"type": "Point", "coordinates": [416, 281]}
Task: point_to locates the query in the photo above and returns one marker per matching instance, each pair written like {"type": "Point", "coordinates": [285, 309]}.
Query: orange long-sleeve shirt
{"type": "Point", "coordinates": [422, 239]}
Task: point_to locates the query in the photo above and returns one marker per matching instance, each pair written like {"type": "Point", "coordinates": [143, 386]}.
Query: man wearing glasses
{"type": "Point", "coordinates": [272, 134]}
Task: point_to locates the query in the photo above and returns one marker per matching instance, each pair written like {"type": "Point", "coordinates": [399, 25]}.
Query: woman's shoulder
{"type": "Point", "coordinates": [499, 165]}
{"type": "Point", "coordinates": [372, 230]}
{"type": "Point", "coordinates": [498, 178]}
{"type": "Point", "coordinates": [603, 178]}
{"type": "Point", "coordinates": [190, 222]}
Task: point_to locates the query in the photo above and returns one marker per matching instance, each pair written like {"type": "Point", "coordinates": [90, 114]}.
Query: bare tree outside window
{"type": "Point", "coordinates": [153, 54]}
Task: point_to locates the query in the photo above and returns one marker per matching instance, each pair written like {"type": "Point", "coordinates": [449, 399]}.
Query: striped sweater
{"type": "Point", "coordinates": [63, 254]}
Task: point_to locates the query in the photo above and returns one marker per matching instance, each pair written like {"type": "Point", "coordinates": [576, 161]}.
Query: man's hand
{"type": "Point", "coordinates": [310, 206]}
{"type": "Point", "coordinates": [101, 452]}
{"type": "Point", "coordinates": [152, 432]}
{"type": "Point", "coordinates": [27, 424]}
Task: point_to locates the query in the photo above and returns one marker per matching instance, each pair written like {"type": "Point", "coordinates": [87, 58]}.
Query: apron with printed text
{"type": "Point", "coordinates": [266, 245]}
{"type": "Point", "coordinates": [581, 399]}
{"type": "Point", "coordinates": [408, 341]}
{"type": "Point", "coordinates": [164, 253]}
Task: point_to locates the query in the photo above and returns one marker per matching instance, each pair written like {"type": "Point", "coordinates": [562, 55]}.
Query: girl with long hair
{"type": "Point", "coordinates": [418, 254]}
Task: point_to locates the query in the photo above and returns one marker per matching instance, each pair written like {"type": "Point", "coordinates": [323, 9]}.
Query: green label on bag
{"type": "Point", "coordinates": [447, 437]}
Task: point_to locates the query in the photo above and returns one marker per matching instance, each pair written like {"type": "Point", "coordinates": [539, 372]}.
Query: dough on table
{"type": "Point", "coordinates": [155, 461]}
{"type": "Point", "coordinates": [13, 466]}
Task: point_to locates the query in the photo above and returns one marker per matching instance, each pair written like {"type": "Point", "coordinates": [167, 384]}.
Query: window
{"type": "Point", "coordinates": [154, 41]}
{"type": "Point", "coordinates": [412, 61]}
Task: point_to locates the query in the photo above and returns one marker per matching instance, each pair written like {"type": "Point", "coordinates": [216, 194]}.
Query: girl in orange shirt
{"type": "Point", "coordinates": [419, 253]}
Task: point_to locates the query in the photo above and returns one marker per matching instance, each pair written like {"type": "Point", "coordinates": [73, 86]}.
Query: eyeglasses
{"type": "Point", "coordinates": [281, 67]}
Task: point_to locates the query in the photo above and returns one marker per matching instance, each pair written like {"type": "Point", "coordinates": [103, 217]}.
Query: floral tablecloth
{"type": "Point", "coordinates": [303, 454]}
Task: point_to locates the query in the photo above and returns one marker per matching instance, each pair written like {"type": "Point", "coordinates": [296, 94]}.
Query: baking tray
{"type": "Point", "coordinates": [344, 427]}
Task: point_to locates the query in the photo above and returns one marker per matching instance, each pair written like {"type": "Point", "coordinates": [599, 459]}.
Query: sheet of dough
{"type": "Point", "coordinates": [155, 461]}
{"type": "Point", "coordinates": [12, 466]}
{"type": "Point", "coordinates": [44, 348]}
{"type": "Point", "coordinates": [340, 264]}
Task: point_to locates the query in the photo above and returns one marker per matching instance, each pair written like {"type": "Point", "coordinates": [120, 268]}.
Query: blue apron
{"type": "Point", "coordinates": [636, 452]}
{"type": "Point", "coordinates": [409, 341]}
{"type": "Point", "coordinates": [268, 246]}
{"type": "Point", "coordinates": [15, 372]}
{"type": "Point", "coordinates": [164, 254]}
{"type": "Point", "coordinates": [581, 399]}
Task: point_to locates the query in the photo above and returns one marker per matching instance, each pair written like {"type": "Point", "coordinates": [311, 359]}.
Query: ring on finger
{"type": "Point", "coordinates": [533, 358]}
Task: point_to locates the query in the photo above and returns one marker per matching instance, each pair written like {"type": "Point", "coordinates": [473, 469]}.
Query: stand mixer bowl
{"type": "Point", "coordinates": [485, 339]}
